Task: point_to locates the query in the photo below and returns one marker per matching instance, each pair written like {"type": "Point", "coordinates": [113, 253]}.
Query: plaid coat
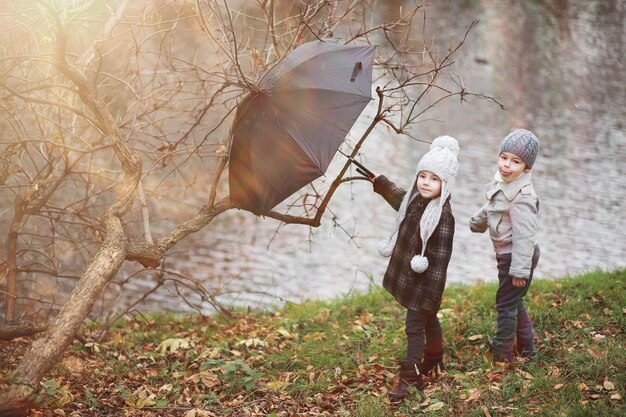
{"type": "Point", "coordinates": [424, 290]}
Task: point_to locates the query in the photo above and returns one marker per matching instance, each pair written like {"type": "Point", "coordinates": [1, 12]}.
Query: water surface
{"type": "Point", "coordinates": [558, 69]}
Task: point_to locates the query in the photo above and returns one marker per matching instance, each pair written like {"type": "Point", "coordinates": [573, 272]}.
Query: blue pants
{"type": "Point", "coordinates": [513, 320]}
{"type": "Point", "coordinates": [424, 337]}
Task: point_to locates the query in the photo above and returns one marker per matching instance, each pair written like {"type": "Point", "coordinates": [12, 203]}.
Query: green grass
{"type": "Point", "coordinates": [337, 358]}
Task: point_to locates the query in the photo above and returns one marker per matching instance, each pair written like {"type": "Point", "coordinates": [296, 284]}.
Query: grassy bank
{"type": "Point", "coordinates": [338, 359]}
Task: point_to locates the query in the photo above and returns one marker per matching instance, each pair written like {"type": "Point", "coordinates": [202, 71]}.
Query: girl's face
{"type": "Point", "coordinates": [511, 166]}
{"type": "Point", "coordinates": [428, 185]}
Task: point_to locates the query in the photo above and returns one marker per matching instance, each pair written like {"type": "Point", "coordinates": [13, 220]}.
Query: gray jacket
{"type": "Point", "coordinates": [511, 217]}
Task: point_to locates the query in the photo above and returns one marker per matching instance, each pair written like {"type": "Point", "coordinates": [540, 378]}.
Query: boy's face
{"type": "Point", "coordinates": [511, 166]}
{"type": "Point", "coordinates": [428, 184]}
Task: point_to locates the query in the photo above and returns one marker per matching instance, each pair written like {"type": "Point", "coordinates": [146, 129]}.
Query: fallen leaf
{"type": "Point", "coordinates": [582, 387]}
{"type": "Point", "coordinates": [608, 385]}
{"type": "Point", "coordinates": [252, 342]}
{"type": "Point", "coordinates": [486, 411]}
{"type": "Point", "coordinates": [284, 333]}
{"type": "Point", "coordinates": [322, 316]}
{"type": "Point", "coordinates": [208, 379]}
{"type": "Point", "coordinates": [173, 345]}
{"type": "Point", "coordinates": [314, 336]}
{"type": "Point", "coordinates": [198, 413]}
{"type": "Point", "coordinates": [558, 386]}
{"type": "Point", "coordinates": [616, 396]}
{"type": "Point", "coordinates": [212, 353]}
{"type": "Point", "coordinates": [475, 337]}
{"type": "Point", "coordinates": [276, 385]}
{"type": "Point", "coordinates": [474, 395]}
{"type": "Point", "coordinates": [593, 353]}
{"type": "Point", "coordinates": [436, 406]}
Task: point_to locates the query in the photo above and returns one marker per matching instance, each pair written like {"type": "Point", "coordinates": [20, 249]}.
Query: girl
{"type": "Point", "coordinates": [420, 247]}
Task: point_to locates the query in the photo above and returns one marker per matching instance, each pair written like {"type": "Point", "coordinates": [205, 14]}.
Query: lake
{"type": "Point", "coordinates": [557, 66]}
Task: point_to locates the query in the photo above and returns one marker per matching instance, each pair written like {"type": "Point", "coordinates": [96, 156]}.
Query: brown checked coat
{"type": "Point", "coordinates": [412, 290]}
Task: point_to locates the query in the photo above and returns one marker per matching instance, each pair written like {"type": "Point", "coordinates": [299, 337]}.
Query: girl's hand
{"type": "Point", "coordinates": [371, 176]}
{"type": "Point", "coordinates": [518, 282]}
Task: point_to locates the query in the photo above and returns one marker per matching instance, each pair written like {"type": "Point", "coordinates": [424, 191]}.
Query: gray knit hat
{"type": "Point", "coordinates": [524, 144]}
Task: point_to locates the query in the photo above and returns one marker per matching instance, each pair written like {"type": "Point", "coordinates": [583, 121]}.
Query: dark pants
{"type": "Point", "coordinates": [513, 320]}
{"type": "Point", "coordinates": [423, 333]}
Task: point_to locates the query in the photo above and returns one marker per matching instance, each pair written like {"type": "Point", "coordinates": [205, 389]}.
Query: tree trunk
{"type": "Point", "coordinates": [11, 263]}
{"type": "Point", "coordinates": [21, 392]}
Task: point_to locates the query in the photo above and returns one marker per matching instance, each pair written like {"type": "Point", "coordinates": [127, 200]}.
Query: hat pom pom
{"type": "Point", "coordinates": [384, 248]}
{"type": "Point", "coordinates": [446, 142]}
{"type": "Point", "coordinates": [419, 263]}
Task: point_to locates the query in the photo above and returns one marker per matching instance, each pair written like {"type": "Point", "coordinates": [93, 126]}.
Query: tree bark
{"type": "Point", "coordinates": [15, 330]}
{"type": "Point", "coordinates": [11, 263]}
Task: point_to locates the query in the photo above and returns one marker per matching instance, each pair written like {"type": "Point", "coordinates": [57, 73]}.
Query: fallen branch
{"type": "Point", "coordinates": [14, 330]}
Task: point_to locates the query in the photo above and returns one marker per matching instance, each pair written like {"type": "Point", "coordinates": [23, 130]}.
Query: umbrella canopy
{"type": "Point", "coordinates": [286, 133]}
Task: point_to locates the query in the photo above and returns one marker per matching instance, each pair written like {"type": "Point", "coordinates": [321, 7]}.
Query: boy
{"type": "Point", "coordinates": [420, 248]}
{"type": "Point", "coordinates": [511, 217]}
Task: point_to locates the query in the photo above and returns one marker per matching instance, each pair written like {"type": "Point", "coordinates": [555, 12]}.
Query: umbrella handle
{"type": "Point", "coordinates": [358, 66]}
{"type": "Point", "coordinates": [360, 168]}
{"type": "Point", "coordinates": [365, 174]}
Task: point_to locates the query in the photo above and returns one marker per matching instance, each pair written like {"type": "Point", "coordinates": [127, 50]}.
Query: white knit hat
{"type": "Point", "coordinates": [441, 160]}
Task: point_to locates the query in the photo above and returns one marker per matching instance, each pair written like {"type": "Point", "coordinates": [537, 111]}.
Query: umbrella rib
{"type": "Point", "coordinates": [284, 129]}
{"type": "Point", "coordinates": [283, 90]}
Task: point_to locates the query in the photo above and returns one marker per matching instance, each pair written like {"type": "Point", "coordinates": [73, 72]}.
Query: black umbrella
{"type": "Point", "coordinates": [286, 133]}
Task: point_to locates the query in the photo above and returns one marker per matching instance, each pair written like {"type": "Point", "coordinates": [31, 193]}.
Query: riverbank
{"type": "Point", "coordinates": [337, 358]}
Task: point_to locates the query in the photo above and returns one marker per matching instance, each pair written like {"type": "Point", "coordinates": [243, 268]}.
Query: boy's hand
{"type": "Point", "coordinates": [518, 282]}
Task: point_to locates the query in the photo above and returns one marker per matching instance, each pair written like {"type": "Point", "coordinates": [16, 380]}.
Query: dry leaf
{"type": "Point", "coordinates": [616, 396]}
{"type": "Point", "coordinates": [608, 385]}
{"type": "Point", "coordinates": [558, 386]}
{"type": "Point", "coordinates": [276, 385]}
{"type": "Point", "coordinates": [322, 316]}
{"type": "Point", "coordinates": [475, 337]}
{"type": "Point", "coordinates": [198, 413]}
{"type": "Point", "coordinates": [174, 344]}
{"type": "Point", "coordinates": [252, 342]}
{"type": "Point", "coordinates": [284, 333]}
{"type": "Point", "coordinates": [582, 387]}
{"type": "Point", "coordinates": [314, 336]}
{"type": "Point", "coordinates": [436, 406]}
{"type": "Point", "coordinates": [474, 395]}
{"type": "Point", "coordinates": [208, 379]}
{"type": "Point", "coordinates": [593, 353]}
{"type": "Point", "coordinates": [486, 411]}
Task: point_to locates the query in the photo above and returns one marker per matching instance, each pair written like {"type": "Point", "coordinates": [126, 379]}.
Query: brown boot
{"type": "Point", "coordinates": [432, 363]}
{"type": "Point", "coordinates": [409, 376]}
